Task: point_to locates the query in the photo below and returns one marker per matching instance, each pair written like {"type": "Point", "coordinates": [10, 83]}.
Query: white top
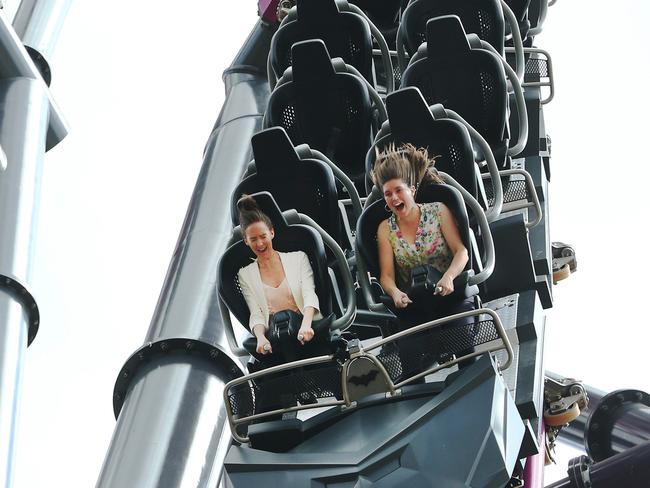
{"type": "Point", "coordinates": [280, 297]}
{"type": "Point", "coordinates": [299, 277]}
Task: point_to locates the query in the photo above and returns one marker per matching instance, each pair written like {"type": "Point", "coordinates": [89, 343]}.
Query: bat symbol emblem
{"type": "Point", "coordinates": [364, 379]}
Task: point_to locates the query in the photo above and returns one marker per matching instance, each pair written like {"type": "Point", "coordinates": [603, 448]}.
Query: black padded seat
{"type": "Point", "coordinates": [346, 35]}
{"type": "Point", "coordinates": [481, 17]}
{"type": "Point", "coordinates": [470, 81]}
{"type": "Point", "coordinates": [296, 237]}
{"type": "Point", "coordinates": [374, 214]}
{"type": "Point", "coordinates": [329, 110]}
{"type": "Point", "coordinates": [306, 185]}
{"type": "Point", "coordinates": [410, 120]}
{"type": "Point", "coordinates": [385, 15]}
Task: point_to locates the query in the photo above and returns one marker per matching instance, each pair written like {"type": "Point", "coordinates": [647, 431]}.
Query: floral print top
{"type": "Point", "coordinates": [430, 246]}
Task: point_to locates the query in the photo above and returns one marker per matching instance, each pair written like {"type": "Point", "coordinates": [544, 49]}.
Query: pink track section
{"type": "Point", "coordinates": [534, 470]}
{"type": "Point", "coordinates": [268, 10]}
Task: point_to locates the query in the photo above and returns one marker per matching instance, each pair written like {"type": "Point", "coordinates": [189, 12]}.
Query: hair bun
{"type": "Point", "coordinates": [247, 204]}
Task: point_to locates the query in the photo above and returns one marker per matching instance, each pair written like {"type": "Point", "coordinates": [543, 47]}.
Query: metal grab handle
{"type": "Point", "coordinates": [451, 318]}
{"type": "Point", "coordinates": [549, 66]}
{"type": "Point", "coordinates": [486, 234]}
{"type": "Point", "coordinates": [494, 211]}
{"type": "Point", "coordinates": [530, 190]}
{"type": "Point", "coordinates": [269, 371]}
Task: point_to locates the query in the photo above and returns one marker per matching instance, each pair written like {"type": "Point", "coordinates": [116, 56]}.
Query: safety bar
{"type": "Point", "coordinates": [365, 352]}
{"type": "Point", "coordinates": [522, 113]}
{"type": "Point", "coordinates": [494, 211]}
{"type": "Point", "coordinates": [530, 187]}
{"type": "Point", "coordinates": [509, 16]}
{"type": "Point", "coordinates": [381, 42]}
{"type": "Point", "coordinates": [486, 234]}
{"type": "Point", "coordinates": [348, 283]}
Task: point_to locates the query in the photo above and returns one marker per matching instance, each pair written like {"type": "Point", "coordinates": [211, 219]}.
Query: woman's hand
{"type": "Point", "coordinates": [446, 285]}
{"type": "Point", "coordinates": [263, 346]}
{"type": "Point", "coordinates": [305, 334]}
{"type": "Point", "coordinates": [400, 298]}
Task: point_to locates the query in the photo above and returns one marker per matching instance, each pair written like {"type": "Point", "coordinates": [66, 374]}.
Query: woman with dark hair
{"type": "Point", "coordinates": [275, 281]}
{"type": "Point", "coordinates": [415, 235]}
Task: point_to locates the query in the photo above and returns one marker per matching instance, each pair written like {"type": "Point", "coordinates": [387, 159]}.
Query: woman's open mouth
{"type": "Point", "coordinates": [399, 206]}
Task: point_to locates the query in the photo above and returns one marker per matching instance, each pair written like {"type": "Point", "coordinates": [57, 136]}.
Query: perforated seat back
{"type": "Point", "coordinates": [306, 185]}
{"type": "Point", "coordinates": [471, 82]}
{"type": "Point", "coordinates": [375, 213]}
{"type": "Point", "coordinates": [329, 111]}
{"type": "Point", "coordinates": [481, 17]}
{"type": "Point", "coordinates": [346, 35]}
{"type": "Point", "coordinates": [411, 121]}
{"type": "Point", "coordinates": [288, 238]}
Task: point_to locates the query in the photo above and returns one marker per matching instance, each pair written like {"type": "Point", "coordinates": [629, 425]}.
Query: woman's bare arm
{"type": "Point", "coordinates": [452, 236]}
{"type": "Point", "coordinates": [387, 268]}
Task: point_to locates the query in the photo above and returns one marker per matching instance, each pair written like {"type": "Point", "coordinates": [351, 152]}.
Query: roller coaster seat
{"type": "Point", "coordinates": [296, 237]}
{"type": "Point", "coordinates": [470, 81]}
{"type": "Point", "coordinates": [346, 35]}
{"type": "Point", "coordinates": [410, 120]}
{"type": "Point", "coordinates": [329, 110]}
{"type": "Point", "coordinates": [385, 15]}
{"type": "Point", "coordinates": [306, 185]}
{"type": "Point", "coordinates": [481, 17]}
{"type": "Point", "coordinates": [375, 213]}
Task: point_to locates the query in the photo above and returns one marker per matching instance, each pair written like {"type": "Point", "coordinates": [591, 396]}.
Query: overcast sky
{"type": "Point", "coordinates": [141, 87]}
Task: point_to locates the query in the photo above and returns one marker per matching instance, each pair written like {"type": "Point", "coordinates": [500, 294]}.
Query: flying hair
{"type": "Point", "coordinates": [407, 163]}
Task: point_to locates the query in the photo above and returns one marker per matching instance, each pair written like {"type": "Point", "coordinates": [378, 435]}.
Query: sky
{"type": "Point", "coordinates": [141, 88]}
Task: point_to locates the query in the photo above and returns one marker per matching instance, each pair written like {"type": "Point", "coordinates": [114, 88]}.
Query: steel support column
{"type": "Point", "coordinates": [171, 430]}
{"type": "Point", "coordinates": [23, 128]}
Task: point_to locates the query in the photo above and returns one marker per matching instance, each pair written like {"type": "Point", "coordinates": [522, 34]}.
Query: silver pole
{"type": "Point", "coordinates": [172, 427]}
{"type": "Point", "coordinates": [29, 125]}
{"type": "Point", "coordinates": [38, 23]}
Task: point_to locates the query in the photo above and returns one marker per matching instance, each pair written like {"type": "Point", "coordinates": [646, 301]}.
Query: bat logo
{"type": "Point", "coordinates": [364, 379]}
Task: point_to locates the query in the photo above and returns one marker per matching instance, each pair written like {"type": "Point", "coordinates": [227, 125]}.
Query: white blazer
{"type": "Point", "coordinates": [300, 279]}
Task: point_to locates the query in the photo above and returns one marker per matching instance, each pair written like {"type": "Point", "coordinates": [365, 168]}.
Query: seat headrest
{"type": "Point", "coordinates": [408, 112]}
{"type": "Point", "coordinates": [446, 37]}
{"type": "Point", "coordinates": [311, 61]}
{"type": "Point", "coordinates": [272, 147]}
{"type": "Point", "coordinates": [266, 203]}
{"type": "Point", "coordinates": [316, 10]}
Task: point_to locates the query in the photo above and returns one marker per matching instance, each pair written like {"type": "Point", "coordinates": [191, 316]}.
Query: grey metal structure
{"type": "Point", "coordinates": [30, 124]}
{"type": "Point", "coordinates": [168, 396]}
{"type": "Point", "coordinates": [467, 435]}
